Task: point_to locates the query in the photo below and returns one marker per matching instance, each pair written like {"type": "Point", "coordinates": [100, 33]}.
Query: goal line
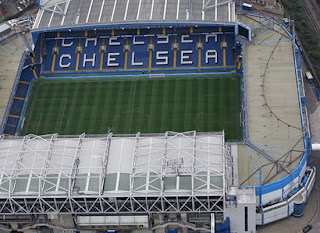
{"type": "Point", "coordinates": [162, 75]}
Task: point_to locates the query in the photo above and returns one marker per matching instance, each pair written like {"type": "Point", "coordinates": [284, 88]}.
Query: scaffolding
{"type": "Point", "coordinates": [177, 172]}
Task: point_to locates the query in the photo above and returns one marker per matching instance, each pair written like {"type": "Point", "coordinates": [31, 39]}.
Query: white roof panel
{"type": "Point", "coordinates": [55, 14]}
{"type": "Point", "coordinates": [112, 164]}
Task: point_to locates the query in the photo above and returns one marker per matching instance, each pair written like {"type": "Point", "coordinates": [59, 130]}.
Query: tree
{"type": "Point", "coordinates": [4, 4]}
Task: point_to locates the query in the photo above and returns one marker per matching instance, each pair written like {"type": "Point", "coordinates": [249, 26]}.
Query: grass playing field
{"type": "Point", "coordinates": [127, 106]}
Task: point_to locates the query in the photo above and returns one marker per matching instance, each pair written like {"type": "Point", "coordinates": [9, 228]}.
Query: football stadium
{"type": "Point", "coordinates": [151, 116]}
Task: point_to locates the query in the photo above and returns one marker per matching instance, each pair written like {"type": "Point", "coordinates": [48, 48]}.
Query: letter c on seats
{"type": "Point", "coordinates": [61, 60]}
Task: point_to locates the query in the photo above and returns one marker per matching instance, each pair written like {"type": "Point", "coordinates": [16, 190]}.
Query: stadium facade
{"type": "Point", "coordinates": [188, 181]}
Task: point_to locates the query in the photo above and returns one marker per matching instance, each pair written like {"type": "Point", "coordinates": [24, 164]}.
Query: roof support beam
{"type": "Point", "coordinates": [104, 163]}
{"type": "Point", "coordinates": [126, 11]}
{"type": "Point", "coordinates": [44, 4]}
{"type": "Point", "coordinates": [164, 161]}
{"type": "Point", "coordinates": [165, 9]}
{"type": "Point", "coordinates": [139, 8]}
{"type": "Point", "coordinates": [46, 164]}
{"type": "Point", "coordinates": [88, 204]}
{"type": "Point", "coordinates": [208, 4]}
{"type": "Point", "coordinates": [193, 161]}
{"type": "Point", "coordinates": [55, 10]}
{"type": "Point", "coordinates": [151, 11]}
{"type": "Point", "coordinates": [101, 10]}
{"type": "Point", "coordinates": [134, 160]}
{"type": "Point", "coordinates": [76, 162]}
{"type": "Point", "coordinates": [89, 11]}
{"type": "Point", "coordinates": [17, 165]}
{"type": "Point", "coordinates": [114, 9]}
{"type": "Point", "coordinates": [65, 12]}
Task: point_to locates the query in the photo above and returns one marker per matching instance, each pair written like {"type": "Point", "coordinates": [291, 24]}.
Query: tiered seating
{"type": "Point", "coordinates": [90, 52]}
{"type": "Point", "coordinates": [22, 90]}
{"type": "Point", "coordinates": [168, 52]}
{"type": "Point", "coordinates": [231, 44]}
{"type": "Point", "coordinates": [188, 58]}
{"type": "Point", "coordinates": [239, 58]}
{"type": "Point", "coordinates": [12, 51]}
{"type": "Point", "coordinates": [67, 46]}
{"type": "Point", "coordinates": [50, 43]}
{"type": "Point", "coordinates": [144, 50]}
{"type": "Point", "coordinates": [29, 73]}
{"type": "Point", "coordinates": [163, 48]}
{"type": "Point", "coordinates": [34, 57]}
{"type": "Point", "coordinates": [138, 57]}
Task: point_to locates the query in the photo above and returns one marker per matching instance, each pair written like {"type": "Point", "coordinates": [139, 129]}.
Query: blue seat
{"type": "Point", "coordinates": [211, 42]}
{"type": "Point", "coordinates": [16, 107]}
{"type": "Point", "coordinates": [22, 90]}
{"type": "Point", "coordinates": [65, 50]}
{"type": "Point", "coordinates": [9, 129]}
{"type": "Point", "coordinates": [184, 50]}
{"type": "Point", "coordinates": [318, 93]}
{"type": "Point", "coordinates": [141, 55]}
{"type": "Point", "coordinates": [162, 48]}
{"type": "Point", "coordinates": [27, 74]}
{"type": "Point", "coordinates": [117, 56]}
{"type": "Point", "coordinates": [12, 120]}
{"type": "Point", "coordinates": [90, 50]}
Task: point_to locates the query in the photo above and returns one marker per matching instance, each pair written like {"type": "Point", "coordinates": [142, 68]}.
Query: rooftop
{"type": "Point", "coordinates": [276, 141]}
{"type": "Point", "coordinates": [171, 164]}
{"type": "Point", "coordinates": [67, 14]}
{"type": "Point", "coordinates": [12, 49]}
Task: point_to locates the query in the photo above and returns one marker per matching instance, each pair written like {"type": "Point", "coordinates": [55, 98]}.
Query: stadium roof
{"type": "Point", "coordinates": [172, 164]}
{"type": "Point", "coordinates": [57, 14]}
{"type": "Point", "coordinates": [276, 123]}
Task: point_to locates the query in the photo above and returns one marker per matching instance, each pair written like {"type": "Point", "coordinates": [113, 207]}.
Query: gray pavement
{"type": "Point", "coordinates": [314, 117]}
{"type": "Point", "coordinates": [11, 7]}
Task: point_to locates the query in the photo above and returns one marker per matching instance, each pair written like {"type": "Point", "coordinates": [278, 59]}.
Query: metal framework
{"type": "Point", "coordinates": [59, 14]}
{"type": "Point", "coordinates": [177, 172]}
{"type": "Point", "coordinates": [209, 4]}
{"type": "Point", "coordinates": [59, 7]}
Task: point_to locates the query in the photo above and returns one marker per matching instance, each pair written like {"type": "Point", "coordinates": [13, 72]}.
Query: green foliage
{"type": "Point", "coordinates": [306, 32]}
{"type": "Point", "coordinates": [6, 18]}
{"type": "Point", "coordinates": [30, 5]}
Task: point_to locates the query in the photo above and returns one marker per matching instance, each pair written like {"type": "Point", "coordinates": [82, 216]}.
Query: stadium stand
{"type": "Point", "coordinates": [13, 51]}
{"type": "Point", "coordinates": [134, 52]}
{"type": "Point", "coordinates": [28, 73]}
{"type": "Point", "coordinates": [18, 44]}
{"type": "Point", "coordinates": [233, 186]}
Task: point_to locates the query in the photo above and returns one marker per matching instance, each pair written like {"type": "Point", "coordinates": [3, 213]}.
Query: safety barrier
{"type": "Point", "coordinates": [293, 205]}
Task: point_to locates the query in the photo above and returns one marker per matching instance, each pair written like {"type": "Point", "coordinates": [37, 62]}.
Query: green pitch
{"type": "Point", "coordinates": [130, 105]}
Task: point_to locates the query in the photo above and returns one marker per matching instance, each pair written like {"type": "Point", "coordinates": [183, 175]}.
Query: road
{"type": "Point", "coordinates": [314, 116]}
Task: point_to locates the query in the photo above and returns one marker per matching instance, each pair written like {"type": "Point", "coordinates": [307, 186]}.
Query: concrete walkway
{"type": "Point", "coordinates": [311, 214]}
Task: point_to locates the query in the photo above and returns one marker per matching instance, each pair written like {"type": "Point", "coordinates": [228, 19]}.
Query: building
{"type": "Point", "coordinates": [188, 181]}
